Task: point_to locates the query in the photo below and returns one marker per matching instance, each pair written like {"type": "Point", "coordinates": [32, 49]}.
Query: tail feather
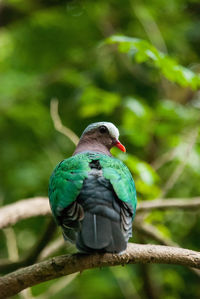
{"type": "Point", "coordinates": [101, 234]}
{"type": "Point", "coordinates": [118, 243]}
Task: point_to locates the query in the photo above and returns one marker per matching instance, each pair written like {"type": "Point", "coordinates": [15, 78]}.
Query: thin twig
{"type": "Point", "coordinates": [164, 158]}
{"type": "Point", "coordinates": [52, 248]}
{"type": "Point", "coordinates": [152, 232]}
{"type": "Point", "coordinates": [32, 256]}
{"type": "Point", "coordinates": [58, 124]}
{"type": "Point", "coordinates": [13, 254]}
{"type": "Point", "coordinates": [149, 24]}
{"type": "Point", "coordinates": [192, 203]}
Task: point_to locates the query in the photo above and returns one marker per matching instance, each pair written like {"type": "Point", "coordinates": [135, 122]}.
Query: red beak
{"type": "Point", "coordinates": [120, 146]}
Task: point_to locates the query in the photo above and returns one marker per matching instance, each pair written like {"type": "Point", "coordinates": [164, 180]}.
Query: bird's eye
{"type": "Point", "coordinates": [103, 129]}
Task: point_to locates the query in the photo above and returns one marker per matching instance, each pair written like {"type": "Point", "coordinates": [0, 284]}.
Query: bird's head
{"type": "Point", "coordinates": [104, 133]}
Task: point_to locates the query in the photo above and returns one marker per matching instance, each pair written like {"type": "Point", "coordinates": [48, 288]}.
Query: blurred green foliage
{"type": "Point", "coordinates": [142, 51]}
{"type": "Point", "coordinates": [146, 85]}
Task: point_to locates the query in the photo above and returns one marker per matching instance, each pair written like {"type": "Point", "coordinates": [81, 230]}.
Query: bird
{"type": "Point", "coordinates": [92, 194]}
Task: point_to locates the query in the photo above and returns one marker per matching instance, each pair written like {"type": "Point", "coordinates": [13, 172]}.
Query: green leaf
{"type": "Point", "coordinates": [143, 51]}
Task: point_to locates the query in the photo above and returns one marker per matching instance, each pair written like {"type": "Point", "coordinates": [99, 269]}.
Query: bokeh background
{"type": "Point", "coordinates": [57, 49]}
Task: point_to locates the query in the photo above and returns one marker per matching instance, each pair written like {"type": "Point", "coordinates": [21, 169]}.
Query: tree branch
{"type": "Point", "coordinates": [192, 203]}
{"type": "Point", "coordinates": [59, 266]}
{"type": "Point", "coordinates": [23, 209]}
{"type": "Point", "coordinates": [39, 206]}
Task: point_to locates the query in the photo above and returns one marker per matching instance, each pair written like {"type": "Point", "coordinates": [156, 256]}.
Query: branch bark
{"type": "Point", "coordinates": [23, 209]}
{"type": "Point", "coordinates": [172, 203]}
{"type": "Point", "coordinates": [59, 266]}
{"type": "Point", "coordinates": [38, 206]}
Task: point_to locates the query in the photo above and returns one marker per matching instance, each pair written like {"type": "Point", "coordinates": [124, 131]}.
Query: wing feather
{"type": "Point", "coordinates": [66, 183]}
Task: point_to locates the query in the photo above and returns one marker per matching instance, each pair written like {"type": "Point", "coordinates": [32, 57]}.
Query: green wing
{"type": "Point", "coordinates": [68, 177]}
{"type": "Point", "coordinates": [121, 179]}
{"type": "Point", "coordinates": [66, 182]}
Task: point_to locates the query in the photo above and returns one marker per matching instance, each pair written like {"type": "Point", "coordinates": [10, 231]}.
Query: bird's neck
{"type": "Point", "coordinates": [95, 146]}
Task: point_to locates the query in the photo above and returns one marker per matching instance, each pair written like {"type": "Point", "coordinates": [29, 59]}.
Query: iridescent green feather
{"type": "Point", "coordinates": [121, 179]}
{"type": "Point", "coordinates": [68, 177]}
{"type": "Point", "coordinates": [66, 182]}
